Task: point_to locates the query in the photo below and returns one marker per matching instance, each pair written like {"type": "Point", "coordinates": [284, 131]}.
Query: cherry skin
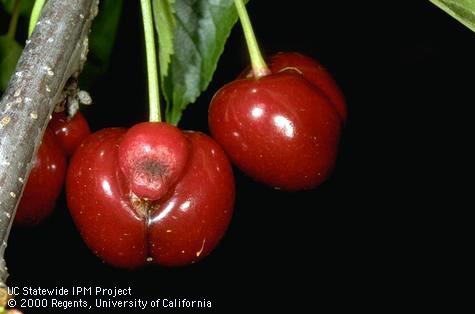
{"type": "Point", "coordinates": [44, 183]}
{"type": "Point", "coordinates": [69, 131]}
{"type": "Point", "coordinates": [311, 70]}
{"type": "Point", "coordinates": [178, 225]}
{"type": "Point", "coordinates": [279, 129]}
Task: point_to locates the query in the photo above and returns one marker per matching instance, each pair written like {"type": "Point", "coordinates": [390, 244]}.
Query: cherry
{"type": "Point", "coordinates": [44, 183]}
{"type": "Point", "coordinates": [46, 178]}
{"type": "Point", "coordinates": [279, 129]}
{"type": "Point", "coordinates": [276, 124]}
{"type": "Point", "coordinates": [69, 131]}
{"type": "Point", "coordinates": [311, 70]}
{"type": "Point", "coordinates": [150, 194]}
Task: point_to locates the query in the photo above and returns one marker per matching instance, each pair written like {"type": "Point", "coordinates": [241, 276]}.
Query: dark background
{"type": "Point", "coordinates": [404, 68]}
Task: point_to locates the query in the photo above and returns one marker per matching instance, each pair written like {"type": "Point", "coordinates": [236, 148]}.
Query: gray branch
{"type": "Point", "coordinates": [56, 51]}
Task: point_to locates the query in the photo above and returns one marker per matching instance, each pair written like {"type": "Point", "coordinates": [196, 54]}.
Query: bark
{"type": "Point", "coordinates": [56, 51]}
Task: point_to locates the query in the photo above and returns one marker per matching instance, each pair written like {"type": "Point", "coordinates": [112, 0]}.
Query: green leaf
{"type": "Point", "coordinates": [164, 20]}
{"type": "Point", "coordinates": [101, 41]}
{"type": "Point", "coordinates": [26, 6]}
{"type": "Point", "coordinates": [462, 10]}
{"type": "Point", "coordinates": [200, 33]}
{"type": "Point", "coordinates": [10, 52]}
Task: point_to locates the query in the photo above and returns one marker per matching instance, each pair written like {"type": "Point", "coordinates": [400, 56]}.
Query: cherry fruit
{"type": "Point", "coordinates": [44, 183]}
{"type": "Point", "coordinates": [281, 123]}
{"type": "Point", "coordinates": [279, 129]}
{"type": "Point", "coordinates": [61, 138]}
{"type": "Point", "coordinates": [312, 70]}
{"type": "Point", "coordinates": [150, 194]}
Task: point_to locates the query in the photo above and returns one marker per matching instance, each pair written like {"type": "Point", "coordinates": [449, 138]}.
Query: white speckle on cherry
{"type": "Point", "coordinates": [202, 248]}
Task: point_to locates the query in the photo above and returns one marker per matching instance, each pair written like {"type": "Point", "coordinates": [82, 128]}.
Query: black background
{"type": "Point", "coordinates": [403, 67]}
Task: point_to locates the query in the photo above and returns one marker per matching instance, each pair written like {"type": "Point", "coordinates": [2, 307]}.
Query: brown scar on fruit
{"type": "Point", "coordinates": [142, 207]}
{"type": "Point", "coordinates": [153, 168]}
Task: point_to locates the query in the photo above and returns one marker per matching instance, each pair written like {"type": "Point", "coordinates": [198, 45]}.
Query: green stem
{"type": "Point", "coordinates": [14, 20]}
{"type": "Point", "coordinates": [259, 66]}
{"type": "Point", "coordinates": [35, 15]}
{"type": "Point", "coordinates": [152, 72]}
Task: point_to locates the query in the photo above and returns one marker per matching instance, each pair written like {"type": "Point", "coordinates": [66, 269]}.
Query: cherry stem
{"type": "Point", "coordinates": [14, 20]}
{"type": "Point", "coordinates": [35, 15]}
{"type": "Point", "coordinates": [259, 66]}
{"type": "Point", "coordinates": [152, 72]}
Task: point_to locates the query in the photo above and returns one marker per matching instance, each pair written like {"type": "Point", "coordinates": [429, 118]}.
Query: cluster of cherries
{"type": "Point", "coordinates": [156, 194]}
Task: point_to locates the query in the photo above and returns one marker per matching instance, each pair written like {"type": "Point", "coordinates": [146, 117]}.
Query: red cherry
{"type": "Point", "coordinates": [311, 70]}
{"type": "Point", "coordinates": [183, 225]}
{"type": "Point", "coordinates": [44, 183]}
{"type": "Point", "coordinates": [279, 129]}
{"type": "Point", "coordinates": [69, 131]}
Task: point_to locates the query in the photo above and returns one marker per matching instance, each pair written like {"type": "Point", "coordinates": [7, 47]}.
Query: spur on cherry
{"type": "Point", "coordinates": [61, 138]}
{"type": "Point", "coordinates": [150, 194]}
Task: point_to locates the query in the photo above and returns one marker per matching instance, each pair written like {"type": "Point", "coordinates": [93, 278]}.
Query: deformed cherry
{"type": "Point", "coordinates": [150, 194]}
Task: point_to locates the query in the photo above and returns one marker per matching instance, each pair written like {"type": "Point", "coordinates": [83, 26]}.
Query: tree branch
{"type": "Point", "coordinates": [56, 51]}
